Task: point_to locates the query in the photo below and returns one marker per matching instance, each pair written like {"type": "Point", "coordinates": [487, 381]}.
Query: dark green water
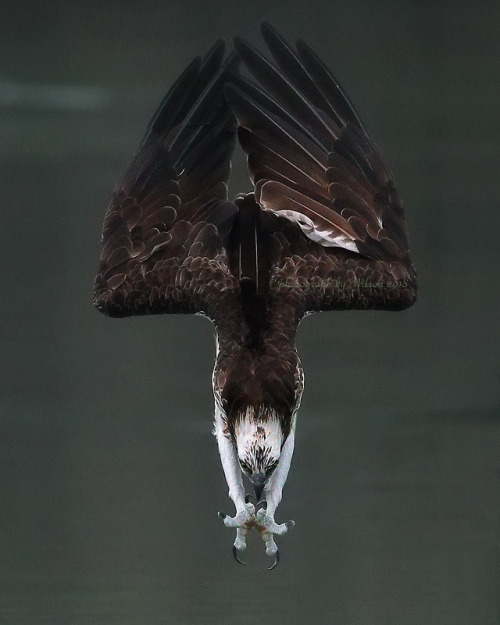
{"type": "Point", "coordinates": [109, 477]}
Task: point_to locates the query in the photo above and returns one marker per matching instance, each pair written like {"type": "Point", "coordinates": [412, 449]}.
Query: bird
{"type": "Point", "coordinates": [324, 229]}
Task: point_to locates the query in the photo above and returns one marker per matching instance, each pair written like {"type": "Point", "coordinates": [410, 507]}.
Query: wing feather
{"type": "Point", "coordinates": [314, 164]}
{"type": "Point", "coordinates": [163, 235]}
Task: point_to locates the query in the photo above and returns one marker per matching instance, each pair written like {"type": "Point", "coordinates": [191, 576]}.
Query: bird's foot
{"type": "Point", "coordinates": [242, 521]}
{"type": "Point", "coordinates": [268, 528]}
{"type": "Point", "coordinates": [246, 518]}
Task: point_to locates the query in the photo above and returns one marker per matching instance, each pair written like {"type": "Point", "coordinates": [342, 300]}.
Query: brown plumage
{"type": "Point", "coordinates": [163, 235]}
{"type": "Point", "coordinates": [323, 230]}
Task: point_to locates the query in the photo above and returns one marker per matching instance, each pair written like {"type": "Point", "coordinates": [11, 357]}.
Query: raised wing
{"type": "Point", "coordinates": [313, 163]}
{"type": "Point", "coordinates": [163, 234]}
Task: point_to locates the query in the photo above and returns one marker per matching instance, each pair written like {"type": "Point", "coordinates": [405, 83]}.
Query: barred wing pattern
{"type": "Point", "coordinates": [163, 235]}
{"type": "Point", "coordinates": [313, 163]}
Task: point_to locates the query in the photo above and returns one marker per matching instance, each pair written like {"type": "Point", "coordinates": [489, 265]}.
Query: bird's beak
{"type": "Point", "coordinates": [258, 481]}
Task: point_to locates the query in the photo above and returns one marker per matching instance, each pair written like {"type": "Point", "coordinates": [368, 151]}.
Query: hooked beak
{"type": "Point", "coordinates": [258, 481]}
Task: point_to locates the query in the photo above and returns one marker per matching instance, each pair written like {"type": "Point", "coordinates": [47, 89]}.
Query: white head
{"type": "Point", "coordinates": [259, 440]}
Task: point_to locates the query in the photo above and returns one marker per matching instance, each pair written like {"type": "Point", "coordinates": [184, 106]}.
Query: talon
{"type": "Point", "coordinates": [249, 498]}
{"type": "Point", "coordinates": [289, 525]}
{"type": "Point", "coordinates": [262, 505]}
{"type": "Point", "coordinates": [235, 555]}
{"type": "Point", "coordinates": [221, 515]}
{"type": "Point", "coordinates": [276, 561]}
{"type": "Point", "coordinates": [261, 513]}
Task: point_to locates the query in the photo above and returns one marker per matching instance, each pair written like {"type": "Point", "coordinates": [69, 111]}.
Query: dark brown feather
{"type": "Point", "coordinates": [308, 152]}
{"type": "Point", "coordinates": [163, 236]}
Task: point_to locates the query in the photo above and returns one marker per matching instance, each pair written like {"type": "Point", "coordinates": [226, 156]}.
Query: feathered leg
{"type": "Point", "coordinates": [245, 512]}
{"type": "Point", "coordinates": [264, 519]}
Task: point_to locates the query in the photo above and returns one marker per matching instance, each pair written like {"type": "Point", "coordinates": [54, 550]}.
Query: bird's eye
{"type": "Point", "coordinates": [271, 468]}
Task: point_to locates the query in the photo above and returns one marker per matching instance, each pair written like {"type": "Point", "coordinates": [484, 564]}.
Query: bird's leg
{"type": "Point", "coordinates": [245, 511]}
{"type": "Point", "coordinates": [264, 519]}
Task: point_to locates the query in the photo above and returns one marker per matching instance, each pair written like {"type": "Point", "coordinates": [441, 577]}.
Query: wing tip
{"type": "Point", "coordinates": [239, 42]}
{"type": "Point", "coordinates": [216, 51]}
{"type": "Point", "coordinates": [247, 52]}
{"type": "Point", "coordinates": [268, 30]}
{"type": "Point", "coordinates": [273, 39]}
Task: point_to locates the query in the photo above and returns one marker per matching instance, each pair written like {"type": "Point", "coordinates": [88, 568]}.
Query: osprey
{"type": "Point", "coordinates": [324, 229]}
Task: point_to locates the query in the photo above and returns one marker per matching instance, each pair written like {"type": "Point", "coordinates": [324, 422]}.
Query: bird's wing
{"type": "Point", "coordinates": [313, 163]}
{"type": "Point", "coordinates": [163, 234]}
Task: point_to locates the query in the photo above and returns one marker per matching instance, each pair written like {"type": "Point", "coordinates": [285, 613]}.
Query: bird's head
{"type": "Point", "coordinates": [259, 439]}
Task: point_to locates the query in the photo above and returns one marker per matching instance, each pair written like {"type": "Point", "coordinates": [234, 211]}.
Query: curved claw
{"type": "Point", "coordinates": [235, 555]}
{"type": "Point", "coordinates": [250, 499]}
{"type": "Point", "coordinates": [221, 515]}
{"type": "Point", "coordinates": [262, 505]}
{"type": "Point", "coordinates": [276, 561]}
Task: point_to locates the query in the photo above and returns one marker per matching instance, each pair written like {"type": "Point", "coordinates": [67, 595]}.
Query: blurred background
{"type": "Point", "coordinates": [110, 478]}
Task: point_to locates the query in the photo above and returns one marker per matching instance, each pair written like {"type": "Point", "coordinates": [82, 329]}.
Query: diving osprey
{"type": "Point", "coordinates": [323, 230]}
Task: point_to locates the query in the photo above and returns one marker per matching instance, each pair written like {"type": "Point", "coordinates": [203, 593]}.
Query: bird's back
{"type": "Point", "coordinates": [257, 362]}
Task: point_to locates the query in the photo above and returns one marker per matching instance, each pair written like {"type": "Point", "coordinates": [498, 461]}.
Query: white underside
{"type": "Point", "coordinates": [229, 460]}
{"type": "Point", "coordinates": [274, 487]}
{"type": "Point", "coordinates": [246, 517]}
{"type": "Point", "coordinates": [232, 471]}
